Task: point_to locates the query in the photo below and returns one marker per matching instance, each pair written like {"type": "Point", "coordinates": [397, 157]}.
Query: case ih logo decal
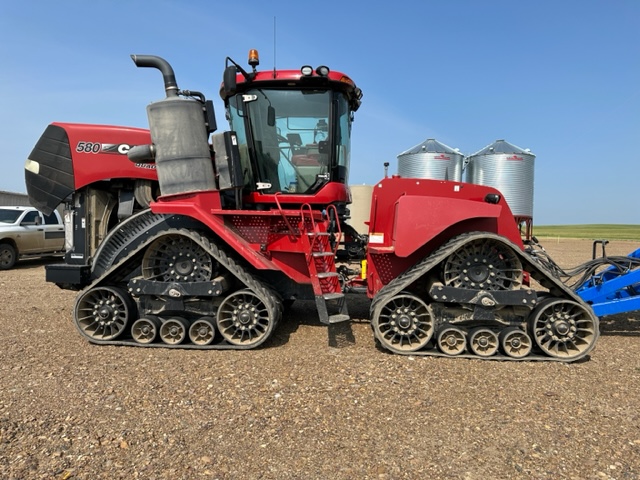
{"type": "Point", "coordinates": [442, 156]}
{"type": "Point", "coordinates": [515, 157]}
{"type": "Point", "coordinates": [94, 147]}
{"type": "Point", "coordinates": [111, 148]}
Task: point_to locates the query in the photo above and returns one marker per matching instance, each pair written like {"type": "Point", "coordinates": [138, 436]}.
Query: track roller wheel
{"type": "Point", "coordinates": [563, 329]}
{"type": "Point", "coordinates": [483, 342]}
{"type": "Point", "coordinates": [202, 331]}
{"type": "Point", "coordinates": [145, 330]}
{"type": "Point", "coordinates": [102, 313]}
{"type": "Point", "coordinates": [174, 330]}
{"type": "Point", "coordinates": [483, 265]}
{"type": "Point", "coordinates": [403, 324]}
{"type": "Point", "coordinates": [515, 343]}
{"type": "Point", "coordinates": [452, 341]}
{"type": "Point", "coordinates": [243, 319]}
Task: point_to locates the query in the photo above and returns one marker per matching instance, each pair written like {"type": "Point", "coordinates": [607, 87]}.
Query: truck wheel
{"type": "Point", "coordinates": [8, 256]}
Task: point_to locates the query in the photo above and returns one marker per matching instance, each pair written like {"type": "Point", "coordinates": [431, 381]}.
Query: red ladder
{"type": "Point", "coordinates": [330, 300]}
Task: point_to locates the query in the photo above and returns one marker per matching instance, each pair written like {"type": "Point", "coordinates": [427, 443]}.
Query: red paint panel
{"type": "Point", "coordinates": [420, 219]}
{"type": "Point", "coordinates": [100, 152]}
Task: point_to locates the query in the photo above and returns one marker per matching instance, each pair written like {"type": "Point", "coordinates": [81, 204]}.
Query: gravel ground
{"type": "Point", "coordinates": [299, 408]}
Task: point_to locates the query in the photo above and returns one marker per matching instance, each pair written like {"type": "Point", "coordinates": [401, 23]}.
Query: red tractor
{"type": "Point", "coordinates": [182, 237]}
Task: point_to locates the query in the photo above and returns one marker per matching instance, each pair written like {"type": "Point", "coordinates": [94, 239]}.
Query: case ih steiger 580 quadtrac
{"type": "Point", "coordinates": [182, 237]}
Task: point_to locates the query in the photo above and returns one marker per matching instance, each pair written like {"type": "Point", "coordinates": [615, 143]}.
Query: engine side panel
{"type": "Point", "coordinates": [69, 156]}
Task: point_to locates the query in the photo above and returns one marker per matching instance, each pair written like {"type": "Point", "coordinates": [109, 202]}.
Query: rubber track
{"type": "Point", "coordinates": [529, 264]}
{"type": "Point", "coordinates": [263, 291]}
{"type": "Point", "coordinates": [126, 236]}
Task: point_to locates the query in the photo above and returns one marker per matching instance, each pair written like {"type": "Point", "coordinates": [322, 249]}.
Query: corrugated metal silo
{"type": "Point", "coordinates": [431, 159]}
{"type": "Point", "coordinates": [508, 168]}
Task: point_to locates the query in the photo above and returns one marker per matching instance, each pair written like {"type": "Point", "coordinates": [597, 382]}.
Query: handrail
{"type": "Point", "coordinates": [335, 210]}
{"type": "Point", "coordinates": [286, 220]}
{"type": "Point", "coordinates": [302, 213]}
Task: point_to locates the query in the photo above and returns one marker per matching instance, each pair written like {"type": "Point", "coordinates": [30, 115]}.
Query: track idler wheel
{"type": "Point", "coordinates": [483, 342]}
{"type": "Point", "coordinates": [483, 264]}
{"type": "Point", "coordinates": [174, 330]}
{"type": "Point", "coordinates": [563, 329]}
{"type": "Point", "coordinates": [102, 313]}
{"type": "Point", "coordinates": [403, 324]}
{"type": "Point", "coordinates": [145, 330]}
{"type": "Point", "coordinates": [452, 341]}
{"type": "Point", "coordinates": [202, 331]}
{"type": "Point", "coordinates": [244, 319]}
{"type": "Point", "coordinates": [515, 343]}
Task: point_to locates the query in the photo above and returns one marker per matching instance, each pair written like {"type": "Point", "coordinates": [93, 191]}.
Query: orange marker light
{"type": "Point", "coordinates": [254, 59]}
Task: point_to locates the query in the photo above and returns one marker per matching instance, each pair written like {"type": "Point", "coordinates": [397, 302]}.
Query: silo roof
{"type": "Point", "coordinates": [431, 146]}
{"type": "Point", "coordinates": [502, 146]}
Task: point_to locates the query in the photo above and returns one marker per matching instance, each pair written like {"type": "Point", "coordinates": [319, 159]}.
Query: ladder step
{"type": "Point", "coordinates": [339, 317]}
{"type": "Point", "coordinates": [333, 296]}
{"type": "Point", "coordinates": [322, 254]}
{"type": "Point", "coordinates": [327, 274]}
{"type": "Point", "coordinates": [318, 234]}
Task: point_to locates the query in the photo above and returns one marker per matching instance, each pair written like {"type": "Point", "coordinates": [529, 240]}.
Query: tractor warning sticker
{"type": "Point", "coordinates": [376, 238]}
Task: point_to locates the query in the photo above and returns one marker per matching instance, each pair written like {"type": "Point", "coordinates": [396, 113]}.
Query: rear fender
{"type": "Point", "coordinates": [409, 214]}
{"type": "Point", "coordinates": [415, 227]}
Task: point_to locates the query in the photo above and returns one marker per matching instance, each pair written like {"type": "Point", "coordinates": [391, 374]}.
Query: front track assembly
{"type": "Point", "coordinates": [467, 300]}
{"type": "Point", "coordinates": [181, 291]}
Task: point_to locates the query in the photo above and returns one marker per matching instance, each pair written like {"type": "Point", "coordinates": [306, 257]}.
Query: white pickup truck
{"type": "Point", "coordinates": [24, 232]}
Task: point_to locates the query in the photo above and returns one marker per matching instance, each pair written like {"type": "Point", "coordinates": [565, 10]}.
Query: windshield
{"type": "Point", "coordinates": [9, 216]}
{"type": "Point", "coordinates": [293, 132]}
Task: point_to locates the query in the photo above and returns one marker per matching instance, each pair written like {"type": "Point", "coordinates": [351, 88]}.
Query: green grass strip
{"type": "Point", "coordinates": [593, 232]}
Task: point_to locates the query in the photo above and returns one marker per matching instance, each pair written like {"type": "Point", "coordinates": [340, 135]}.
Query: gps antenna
{"type": "Point", "coordinates": [274, 47]}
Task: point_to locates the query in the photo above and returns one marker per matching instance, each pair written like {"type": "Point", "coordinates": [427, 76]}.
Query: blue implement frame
{"type": "Point", "coordinates": [611, 291]}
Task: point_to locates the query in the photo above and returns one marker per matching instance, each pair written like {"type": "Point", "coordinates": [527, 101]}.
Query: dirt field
{"type": "Point", "coordinates": [299, 408]}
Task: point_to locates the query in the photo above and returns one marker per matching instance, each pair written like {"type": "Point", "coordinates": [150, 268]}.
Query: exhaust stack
{"type": "Point", "coordinates": [180, 137]}
{"type": "Point", "coordinates": [152, 61]}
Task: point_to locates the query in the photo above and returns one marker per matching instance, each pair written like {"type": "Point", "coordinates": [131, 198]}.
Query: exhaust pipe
{"type": "Point", "coordinates": [179, 137]}
{"type": "Point", "coordinates": [170, 84]}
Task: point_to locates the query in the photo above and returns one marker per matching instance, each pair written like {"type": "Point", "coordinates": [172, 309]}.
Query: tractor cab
{"type": "Point", "coordinates": [293, 129]}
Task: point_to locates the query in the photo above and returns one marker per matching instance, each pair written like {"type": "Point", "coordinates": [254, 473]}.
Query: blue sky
{"type": "Point", "coordinates": [559, 77]}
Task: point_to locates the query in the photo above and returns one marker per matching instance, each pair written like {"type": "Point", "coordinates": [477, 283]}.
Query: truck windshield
{"type": "Point", "coordinates": [296, 140]}
{"type": "Point", "coordinates": [9, 216]}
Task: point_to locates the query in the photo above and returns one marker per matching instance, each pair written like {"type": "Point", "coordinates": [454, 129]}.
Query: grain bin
{"type": "Point", "coordinates": [360, 207]}
{"type": "Point", "coordinates": [508, 168]}
{"type": "Point", "coordinates": [431, 159]}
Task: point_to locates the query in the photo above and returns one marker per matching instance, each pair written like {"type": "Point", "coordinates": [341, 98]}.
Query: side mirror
{"type": "Point", "coordinates": [229, 80]}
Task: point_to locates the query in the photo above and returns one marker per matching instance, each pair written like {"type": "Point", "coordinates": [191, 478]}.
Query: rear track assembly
{"type": "Point", "coordinates": [495, 318]}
